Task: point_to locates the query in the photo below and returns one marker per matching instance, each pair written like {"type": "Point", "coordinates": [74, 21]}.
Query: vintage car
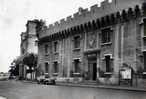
{"type": "Point", "coordinates": [4, 76]}
{"type": "Point", "coordinates": [46, 79]}
{"type": "Point", "coordinates": [49, 81]}
{"type": "Point", "coordinates": [40, 79]}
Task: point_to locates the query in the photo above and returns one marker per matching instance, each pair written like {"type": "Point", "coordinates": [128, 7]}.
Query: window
{"type": "Point", "coordinates": [106, 35]}
{"type": "Point", "coordinates": [108, 63]}
{"type": "Point", "coordinates": [55, 67]}
{"type": "Point", "coordinates": [144, 42]}
{"type": "Point", "coordinates": [46, 49]}
{"type": "Point", "coordinates": [46, 67]}
{"type": "Point", "coordinates": [144, 57]}
{"type": "Point", "coordinates": [76, 41]}
{"type": "Point", "coordinates": [76, 66]}
{"type": "Point", "coordinates": [144, 27]}
{"type": "Point", "coordinates": [55, 46]}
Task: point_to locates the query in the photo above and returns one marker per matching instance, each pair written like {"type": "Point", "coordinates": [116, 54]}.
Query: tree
{"type": "Point", "coordinates": [40, 24]}
{"type": "Point", "coordinates": [14, 68]}
{"type": "Point", "coordinates": [30, 59]}
{"type": "Point", "coordinates": [12, 71]}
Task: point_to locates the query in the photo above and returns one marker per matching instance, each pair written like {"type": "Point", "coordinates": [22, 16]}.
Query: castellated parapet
{"type": "Point", "coordinates": [87, 15]}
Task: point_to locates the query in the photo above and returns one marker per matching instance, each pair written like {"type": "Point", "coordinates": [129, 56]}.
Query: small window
{"type": "Point", "coordinates": [56, 67]}
{"type": "Point", "coordinates": [108, 63]}
{"type": "Point", "coordinates": [144, 42]}
{"type": "Point", "coordinates": [46, 49]}
{"type": "Point", "coordinates": [106, 35]}
{"type": "Point", "coordinates": [46, 67]}
{"type": "Point", "coordinates": [77, 42]}
{"type": "Point", "coordinates": [144, 27]}
{"type": "Point", "coordinates": [144, 58]}
{"type": "Point", "coordinates": [55, 46]}
{"type": "Point", "coordinates": [76, 66]}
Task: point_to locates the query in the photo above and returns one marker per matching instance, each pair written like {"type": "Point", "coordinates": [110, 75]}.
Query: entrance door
{"type": "Point", "coordinates": [92, 70]}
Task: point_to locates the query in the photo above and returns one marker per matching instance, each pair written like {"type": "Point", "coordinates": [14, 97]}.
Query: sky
{"type": "Point", "coordinates": [15, 13]}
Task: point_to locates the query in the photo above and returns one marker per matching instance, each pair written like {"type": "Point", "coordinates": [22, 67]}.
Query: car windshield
{"type": "Point", "coordinates": [46, 76]}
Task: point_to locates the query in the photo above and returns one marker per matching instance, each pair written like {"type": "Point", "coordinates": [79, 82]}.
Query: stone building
{"type": "Point", "coordinates": [28, 44]}
{"type": "Point", "coordinates": [95, 43]}
{"type": "Point", "coordinates": [28, 39]}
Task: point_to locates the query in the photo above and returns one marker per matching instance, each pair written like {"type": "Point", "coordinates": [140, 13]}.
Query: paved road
{"type": "Point", "coordinates": [22, 90]}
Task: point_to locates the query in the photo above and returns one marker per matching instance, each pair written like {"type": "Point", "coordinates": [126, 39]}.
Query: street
{"type": "Point", "coordinates": [23, 90]}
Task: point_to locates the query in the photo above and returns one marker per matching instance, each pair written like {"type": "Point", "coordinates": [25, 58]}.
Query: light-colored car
{"type": "Point", "coordinates": [40, 79]}
{"type": "Point", "coordinates": [4, 76]}
{"type": "Point", "coordinates": [46, 79]}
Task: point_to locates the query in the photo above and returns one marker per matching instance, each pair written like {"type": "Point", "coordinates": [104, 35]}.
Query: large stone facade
{"type": "Point", "coordinates": [94, 44]}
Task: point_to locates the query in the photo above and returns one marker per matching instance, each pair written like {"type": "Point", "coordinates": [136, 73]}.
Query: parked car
{"type": "Point", "coordinates": [45, 79]}
{"type": "Point", "coordinates": [49, 81]}
{"type": "Point", "coordinates": [40, 79]}
{"type": "Point", "coordinates": [4, 76]}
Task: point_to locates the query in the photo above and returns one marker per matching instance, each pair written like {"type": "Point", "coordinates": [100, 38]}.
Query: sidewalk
{"type": "Point", "coordinates": [115, 87]}
{"type": "Point", "coordinates": [95, 85]}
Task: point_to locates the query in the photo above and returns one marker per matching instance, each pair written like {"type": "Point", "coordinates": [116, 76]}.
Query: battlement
{"type": "Point", "coordinates": [94, 12]}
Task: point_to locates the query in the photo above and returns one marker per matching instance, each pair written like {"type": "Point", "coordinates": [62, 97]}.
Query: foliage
{"type": "Point", "coordinates": [14, 68]}
{"type": "Point", "coordinates": [30, 60]}
{"type": "Point", "coordinates": [39, 25]}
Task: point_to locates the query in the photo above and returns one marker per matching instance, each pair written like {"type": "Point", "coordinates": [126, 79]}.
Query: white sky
{"type": "Point", "coordinates": [15, 13]}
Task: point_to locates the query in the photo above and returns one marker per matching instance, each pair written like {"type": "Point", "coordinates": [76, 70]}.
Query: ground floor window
{"type": "Point", "coordinates": [46, 67]}
{"type": "Point", "coordinates": [108, 63]}
{"type": "Point", "coordinates": [56, 69]}
{"type": "Point", "coordinates": [76, 66]}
